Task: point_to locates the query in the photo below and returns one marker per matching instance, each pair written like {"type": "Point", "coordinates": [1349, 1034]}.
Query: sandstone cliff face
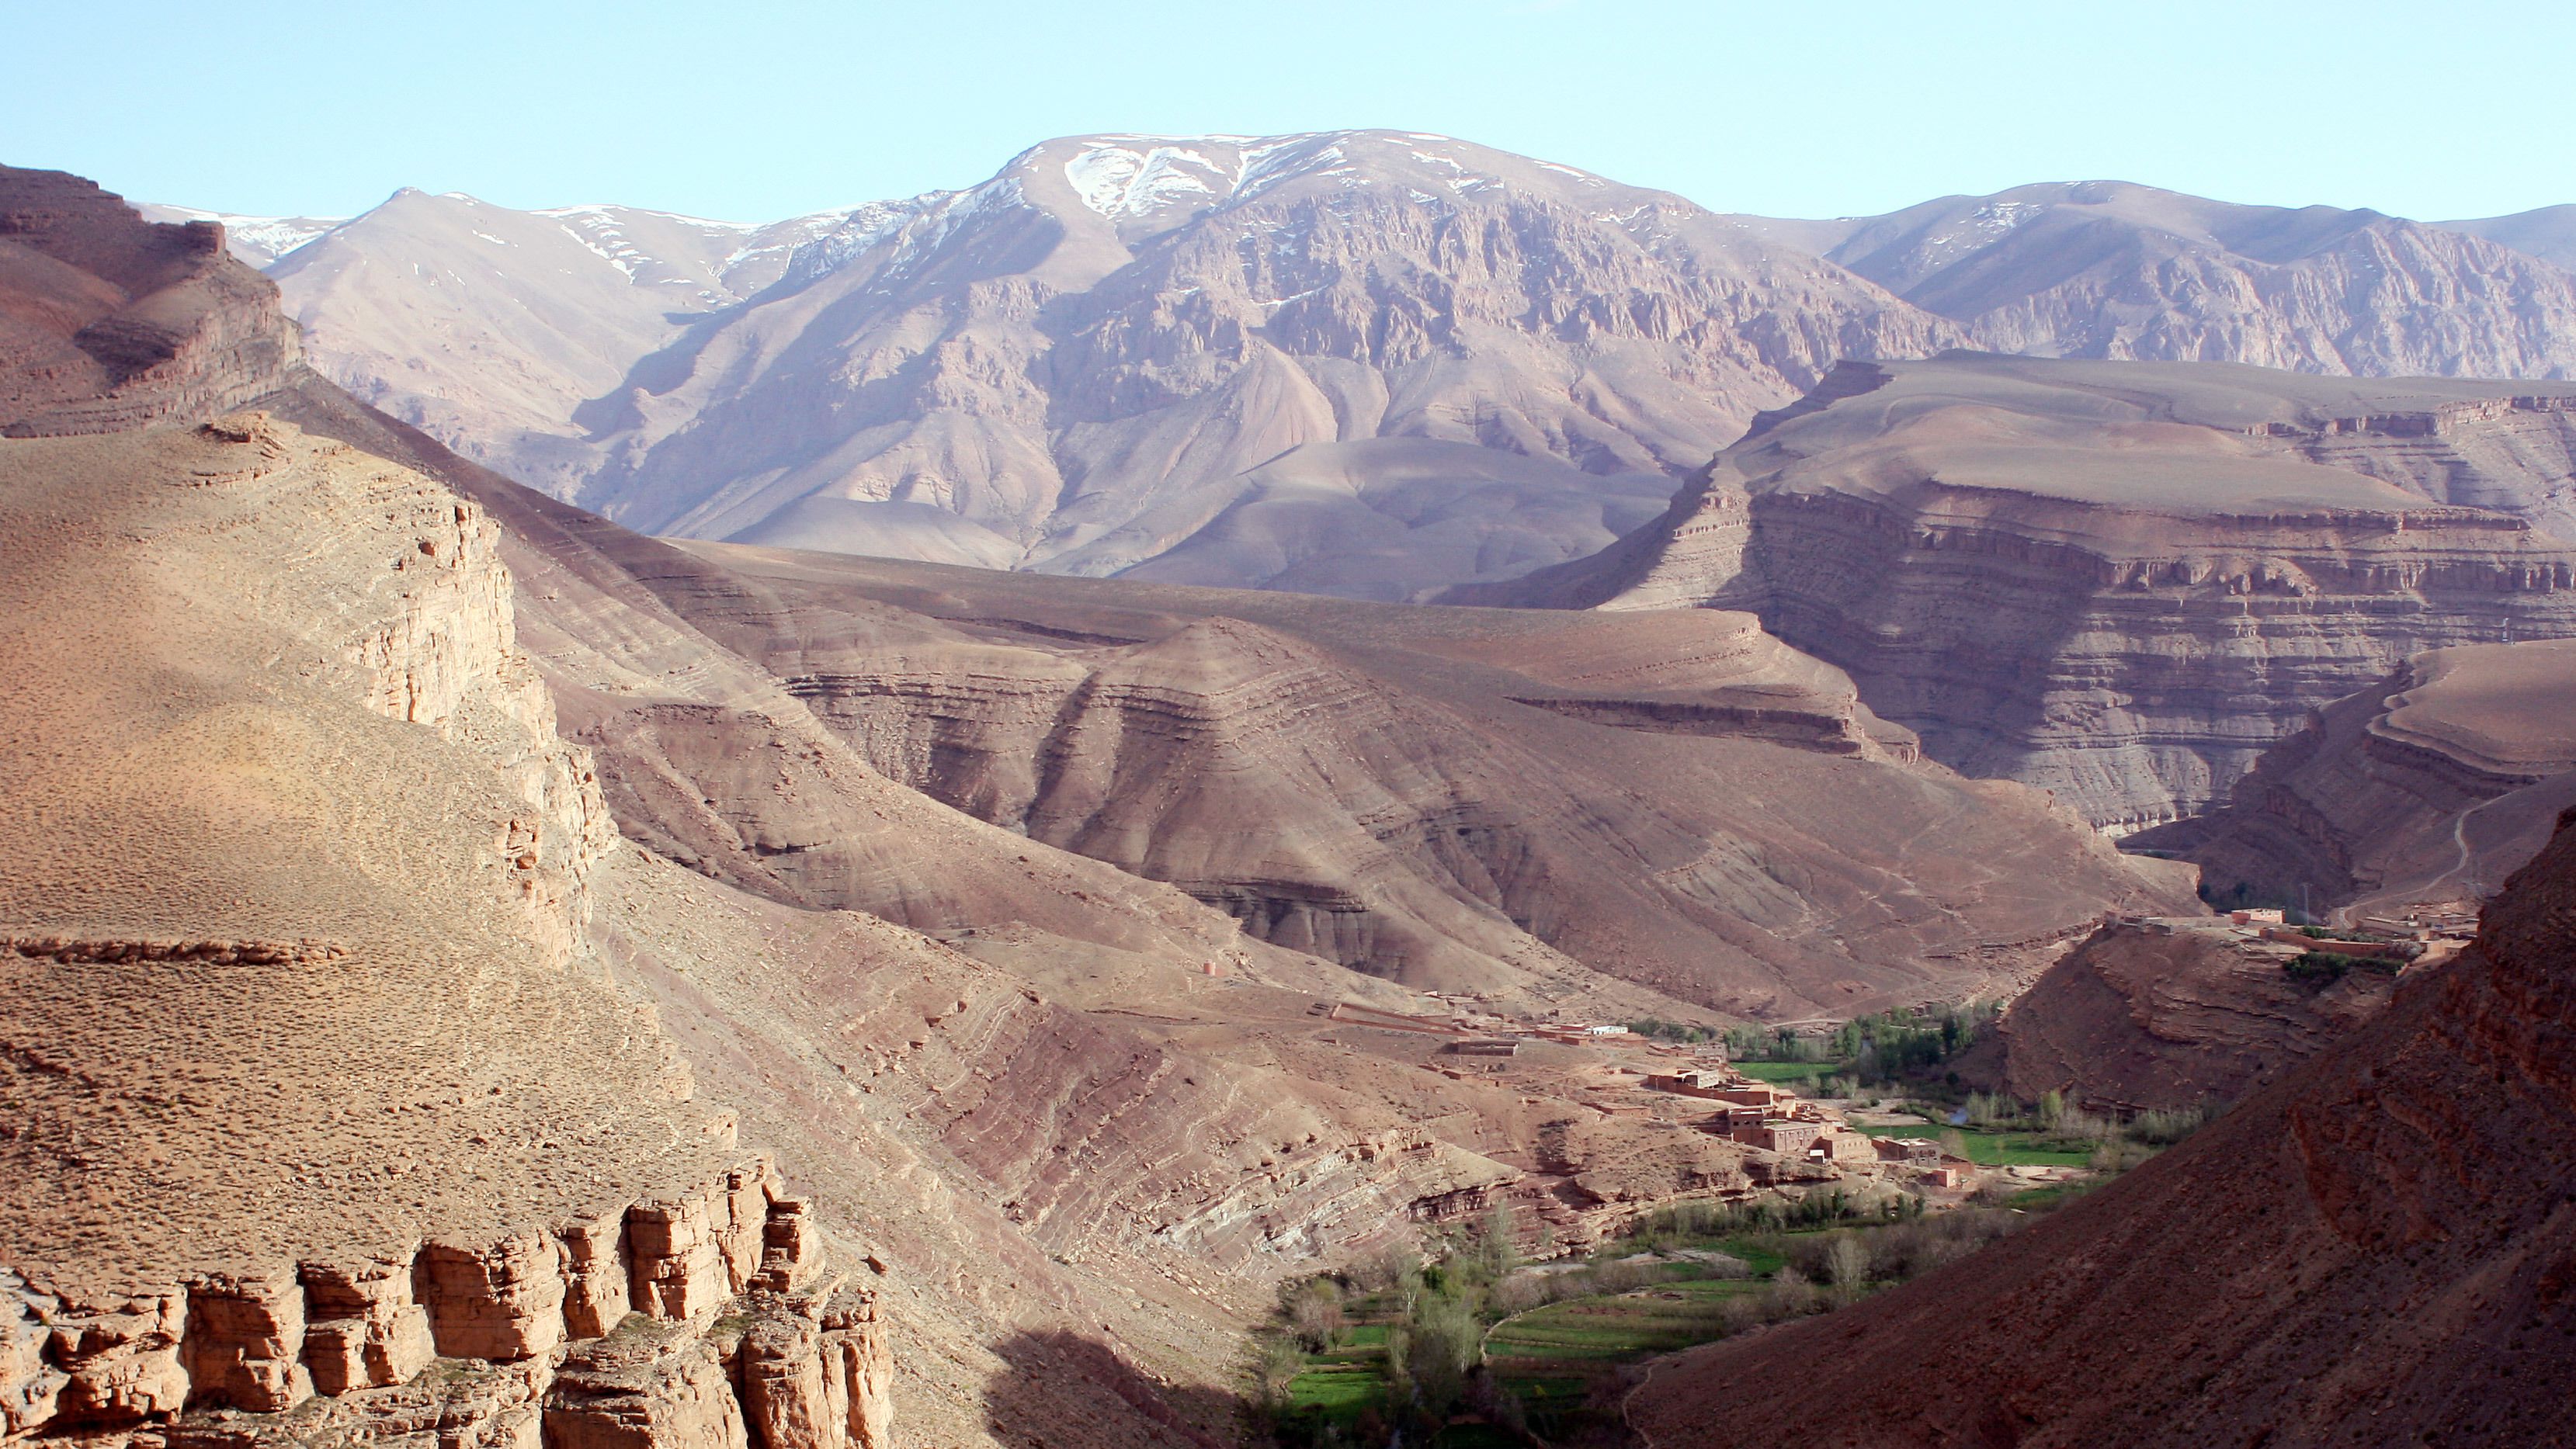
{"type": "Point", "coordinates": [307, 836]}
{"type": "Point", "coordinates": [107, 323]}
{"type": "Point", "coordinates": [2120, 584]}
{"type": "Point", "coordinates": [2377, 1245]}
{"type": "Point", "coordinates": [2427, 788]}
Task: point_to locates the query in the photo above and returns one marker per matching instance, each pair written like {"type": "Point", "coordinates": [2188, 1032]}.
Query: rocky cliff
{"type": "Point", "coordinates": [2426, 789]}
{"type": "Point", "coordinates": [2118, 582]}
{"type": "Point", "coordinates": [108, 323]}
{"type": "Point", "coordinates": [2376, 1244]}
{"type": "Point", "coordinates": [290, 825]}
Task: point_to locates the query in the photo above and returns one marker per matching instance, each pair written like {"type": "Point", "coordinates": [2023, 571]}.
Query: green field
{"type": "Point", "coordinates": [1619, 1326]}
{"type": "Point", "coordinates": [1787, 1071]}
{"type": "Point", "coordinates": [1987, 1149]}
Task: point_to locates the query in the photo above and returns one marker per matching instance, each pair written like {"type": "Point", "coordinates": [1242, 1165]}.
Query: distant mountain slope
{"type": "Point", "coordinates": [1086, 360]}
{"type": "Point", "coordinates": [1185, 356]}
{"type": "Point", "coordinates": [489, 327]}
{"type": "Point", "coordinates": [2107, 269]}
{"type": "Point", "coordinates": [2549, 232]}
{"type": "Point", "coordinates": [1090, 355]}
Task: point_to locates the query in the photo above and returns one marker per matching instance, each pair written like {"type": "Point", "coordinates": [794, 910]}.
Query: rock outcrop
{"type": "Point", "coordinates": [2118, 582]}
{"type": "Point", "coordinates": [108, 323]}
{"type": "Point", "coordinates": [2426, 789]}
{"type": "Point", "coordinates": [2168, 1016]}
{"type": "Point", "coordinates": [2376, 1246]}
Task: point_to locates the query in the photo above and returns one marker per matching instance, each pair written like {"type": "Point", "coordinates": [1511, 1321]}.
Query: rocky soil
{"type": "Point", "coordinates": [2120, 583]}
{"type": "Point", "coordinates": [2373, 1251]}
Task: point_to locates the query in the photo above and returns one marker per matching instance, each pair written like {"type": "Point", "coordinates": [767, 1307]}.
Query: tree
{"type": "Point", "coordinates": [1315, 1314]}
{"type": "Point", "coordinates": [1443, 1343]}
{"type": "Point", "coordinates": [1497, 1251]}
{"type": "Point", "coordinates": [2052, 1108]}
{"type": "Point", "coordinates": [1847, 1264]}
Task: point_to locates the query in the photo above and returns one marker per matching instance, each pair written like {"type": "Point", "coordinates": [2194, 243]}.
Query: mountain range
{"type": "Point", "coordinates": [1367, 363]}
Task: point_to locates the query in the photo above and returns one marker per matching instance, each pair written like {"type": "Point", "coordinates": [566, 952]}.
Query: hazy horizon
{"type": "Point", "coordinates": [807, 107]}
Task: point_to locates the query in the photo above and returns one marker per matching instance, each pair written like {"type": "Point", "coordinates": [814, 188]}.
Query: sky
{"type": "Point", "coordinates": [753, 111]}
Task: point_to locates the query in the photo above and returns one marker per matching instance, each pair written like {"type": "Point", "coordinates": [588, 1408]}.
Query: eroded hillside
{"type": "Point", "coordinates": [2421, 792]}
{"type": "Point", "coordinates": [2118, 582]}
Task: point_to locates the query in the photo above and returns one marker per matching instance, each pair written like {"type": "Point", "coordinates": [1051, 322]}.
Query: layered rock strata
{"type": "Point", "coordinates": [2426, 789]}
{"type": "Point", "coordinates": [2118, 583]}
{"type": "Point", "coordinates": [108, 323]}
{"type": "Point", "coordinates": [1451, 797]}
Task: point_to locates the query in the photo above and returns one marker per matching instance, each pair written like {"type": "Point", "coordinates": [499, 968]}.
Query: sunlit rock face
{"type": "Point", "coordinates": [2120, 582]}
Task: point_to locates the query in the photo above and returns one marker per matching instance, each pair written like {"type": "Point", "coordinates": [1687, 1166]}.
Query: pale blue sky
{"type": "Point", "coordinates": [756, 110]}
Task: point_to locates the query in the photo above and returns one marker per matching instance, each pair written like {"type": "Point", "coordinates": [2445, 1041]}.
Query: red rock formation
{"type": "Point", "coordinates": [2374, 1250]}
{"type": "Point", "coordinates": [108, 323]}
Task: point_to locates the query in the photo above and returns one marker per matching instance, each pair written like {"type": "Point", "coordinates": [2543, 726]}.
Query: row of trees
{"type": "Point", "coordinates": [1882, 1047]}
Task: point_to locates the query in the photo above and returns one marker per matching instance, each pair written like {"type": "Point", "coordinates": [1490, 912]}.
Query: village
{"type": "Point", "coordinates": [1794, 1141]}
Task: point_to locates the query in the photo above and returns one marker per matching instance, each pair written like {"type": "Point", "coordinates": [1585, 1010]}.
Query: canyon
{"type": "Point", "coordinates": [1147, 660]}
{"type": "Point", "coordinates": [2377, 1243]}
{"type": "Point", "coordinates": [477, 973]}
{"type": "Point", "coordinates": [2421, 792]}
{"type": "Point", "coordinates": [2118, 582]}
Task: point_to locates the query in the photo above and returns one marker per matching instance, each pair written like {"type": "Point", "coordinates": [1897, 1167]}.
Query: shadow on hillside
{"type": "Point", "coordinates": [1062, 1389]}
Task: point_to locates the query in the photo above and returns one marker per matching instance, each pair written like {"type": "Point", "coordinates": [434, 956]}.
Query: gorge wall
{"type": "Point", "coordinates": [2427, 788]}
{"type": "Point", "coordinates": [2118, 583]}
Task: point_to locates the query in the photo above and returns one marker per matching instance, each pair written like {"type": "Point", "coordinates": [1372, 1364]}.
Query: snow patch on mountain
{"type": "Point", "coordinates": [1117, 181]}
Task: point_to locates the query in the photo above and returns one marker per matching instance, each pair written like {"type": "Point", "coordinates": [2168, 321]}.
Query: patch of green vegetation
{"type": "Point", "coordinates": [1786, 1071]}
{"type": "Point", "coordinates": [1989, 1149]}
{"type": "Point", "coordinates": [2045, 1199]}
{"type": "Point", "coordinates": [1338, 1391]}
